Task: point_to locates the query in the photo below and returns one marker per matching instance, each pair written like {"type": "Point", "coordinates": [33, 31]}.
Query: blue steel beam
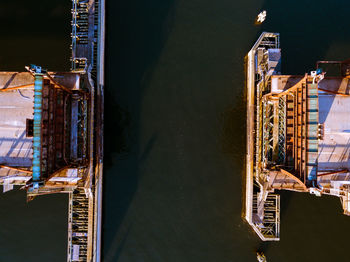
{"type": "Point", "coordinates": [37, 141]}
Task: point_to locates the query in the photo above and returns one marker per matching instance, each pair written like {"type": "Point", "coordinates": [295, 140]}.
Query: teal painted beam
{"type": "Point", "coordinates": [37, 143]}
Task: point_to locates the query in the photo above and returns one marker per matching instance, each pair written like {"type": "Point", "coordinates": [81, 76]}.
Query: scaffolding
{"type": "Point", "coordinates": [268, 228]}
{"type": "Point", "coordinates": [80, 34]}
{"type": "Point", "coordinates": [78, 226]}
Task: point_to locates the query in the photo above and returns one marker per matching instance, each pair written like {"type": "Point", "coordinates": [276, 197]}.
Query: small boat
{"type": "Point", "coordinates": [261, 17]}
{"type": "Point", "coordinates": [261, 257]}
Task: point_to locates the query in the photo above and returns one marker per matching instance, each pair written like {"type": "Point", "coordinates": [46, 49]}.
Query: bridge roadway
{"type": "Point", "coordinates": [85, 203]}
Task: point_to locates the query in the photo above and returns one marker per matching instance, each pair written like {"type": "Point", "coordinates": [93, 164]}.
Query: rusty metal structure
{"type": "Point", "coordinates": [51, 131]}
{"type": "Point", "coordinates": [44, 135]}
{"type": "Point", "coordinates": [298, 135]}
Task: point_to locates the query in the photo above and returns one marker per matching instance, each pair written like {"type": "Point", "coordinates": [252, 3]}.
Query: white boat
{"type": "Point", "coordinates": [261, 17]}
{"type": "Point", "coordinates": [261, 257]}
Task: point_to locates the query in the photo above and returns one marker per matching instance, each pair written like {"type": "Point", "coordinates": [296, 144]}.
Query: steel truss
{"type": "Point", "coordinates": [281, 130]}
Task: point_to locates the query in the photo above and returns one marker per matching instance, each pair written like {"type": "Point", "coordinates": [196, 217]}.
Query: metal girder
{"type": "Point", "coordinates": [58, 85]}
{"type": "Point", "coordinates": [16, 169]}
{"type": "Point", "coordinates": [268, 228]}
{"type": "Point", "coordinates": [297, 180]}
{"type": "Point", "coordinates": [16, 87]}
{"type": "Point", "coordinates": [282, 130]}
{"type": "Point", "coordinates": [37, 139]}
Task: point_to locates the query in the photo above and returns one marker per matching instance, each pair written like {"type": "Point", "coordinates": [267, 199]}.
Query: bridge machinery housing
{"type": "Point", "coordinates": [298, 135]}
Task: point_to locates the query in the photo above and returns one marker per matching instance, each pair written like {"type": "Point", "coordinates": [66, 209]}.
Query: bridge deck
{"type": "Point", "coordinates": [88, 29]}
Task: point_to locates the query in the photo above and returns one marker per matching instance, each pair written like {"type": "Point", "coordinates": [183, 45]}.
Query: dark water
{"type": "Point", "coordinates": [175, 130]}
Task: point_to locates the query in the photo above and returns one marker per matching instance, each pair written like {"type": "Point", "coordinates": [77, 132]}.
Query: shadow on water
{"type": "Point", "coordinates": [233, 137]}
{"type": "Point", "coordinates": [306, 36]}
{"type": "Point", "coordinates": [136, 33]}
{"type": "Point", "coordinates": [234, 132]}
{"type": "Point", "coordinates": [119, 122]}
